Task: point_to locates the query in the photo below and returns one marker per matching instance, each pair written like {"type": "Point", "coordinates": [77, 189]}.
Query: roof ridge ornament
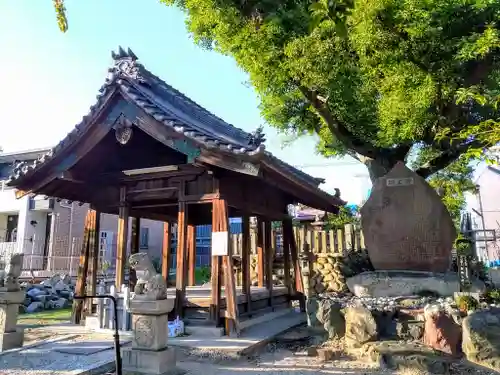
{"type": "Point", "coordinates": [257, 137]}
{"type": "Point", "coordinates": [127, 63]}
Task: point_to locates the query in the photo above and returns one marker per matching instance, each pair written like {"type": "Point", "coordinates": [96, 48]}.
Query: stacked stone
{"type": "Point", "coordinates": [54, 293]}
{"type": "Point", "coordinates": [278, 276]}
{"type": "Point", "coordinates": [328, 274]}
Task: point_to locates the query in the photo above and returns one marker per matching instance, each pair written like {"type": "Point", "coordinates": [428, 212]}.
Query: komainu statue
{"type": "Point", "coordinates": [150, 286]}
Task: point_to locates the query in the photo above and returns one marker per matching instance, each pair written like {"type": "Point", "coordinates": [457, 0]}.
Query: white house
{"type": "Point", "coordinates": [49, 232]}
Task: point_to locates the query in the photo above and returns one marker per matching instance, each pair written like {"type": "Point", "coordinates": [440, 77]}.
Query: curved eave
{"type": "Point", "coordinates": [328, 202]}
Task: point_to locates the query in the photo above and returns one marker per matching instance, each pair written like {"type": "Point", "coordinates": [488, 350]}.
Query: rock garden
{"type": "Point", "coordinates": [428, 327]}
{"type": "Point", "coordinates": [53, 293]}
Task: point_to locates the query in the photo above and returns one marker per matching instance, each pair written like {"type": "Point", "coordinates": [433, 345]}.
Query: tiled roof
{"type": "Point", "coordinates": [174, 110]}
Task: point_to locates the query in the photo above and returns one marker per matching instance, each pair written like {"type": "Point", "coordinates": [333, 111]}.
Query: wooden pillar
{"type": "Point", "coordinates": [260, 253]}
{"type": "Point", "coordinates": [288, 231]}
{"type": "Point", "coordinates": [83, 267]}
{"type": "Point", "coordinates": [94, 251]}
{"type": "Point", "coordinates": [220, 224]}
{"type": "Point", "coordinates": [246, 248]}
{"type": "Point", "coordinates": [122, 237]}
{"type": "Point", "coordinates": [286, 256]}
{"type": "Point", "coordinates": [268, 252]}
{"type": "Point", "coordinates": [135, 237]}
{"type": "Point", "coordinates": [181, 270]}
{"type": "Point", "coordinates": [166, 250]}
{"type": "Point", "coordinates": [215, 276]}
{"type": "Point", "coordinates": [191, 248]}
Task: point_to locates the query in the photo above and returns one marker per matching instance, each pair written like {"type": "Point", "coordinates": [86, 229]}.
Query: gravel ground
{"type": "Point", "coordinates": [280, 360]}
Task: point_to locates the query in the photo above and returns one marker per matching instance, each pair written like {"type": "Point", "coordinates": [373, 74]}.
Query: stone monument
{"type": "Point", "coordinates": [406, 225]}
{"type": "Point", "coordinates": [149, 307]}
{"type": "Point", "coordinates": [11, 296]}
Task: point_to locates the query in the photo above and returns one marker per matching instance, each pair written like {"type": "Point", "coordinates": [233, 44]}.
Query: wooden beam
{"type": "Point", "coordinates": [151, 194]}
{"type": "Point", "coordinates": [230, 163]}
{"type": "Point", "coordinates": [191, 248]}
{"type": "Point", "coordinates": [135, 237]}
{"type": "Point", "coordinates": [180, 280]}
{"type": "Point", "coordinates": [83, 267]}
{"type": "Point", "coordinates": [268, 253]}
{"type": "Point", "coordinates": [122, 237]}
{"type": "Point", "coordinates": [200, 198]}
{"type": "Point", "coordinates": [166, 250]}
{"type": "Point", "coordinates": [141, 171]}
{"type": "Point", "coordinates": [260, 254]}
{"type": "Point", "coordinates": [246, 249]}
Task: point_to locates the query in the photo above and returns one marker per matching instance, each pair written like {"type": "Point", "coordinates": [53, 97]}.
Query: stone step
{"type": "Point", "coordinates": [261, 318]}
{"type": "Point", "coordinates": [203, 331]}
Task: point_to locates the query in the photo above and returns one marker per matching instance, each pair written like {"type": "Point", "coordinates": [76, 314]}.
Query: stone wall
{"type": "Point", "coordinates": [278, 271]}
{"type": "Point", "coordinates": [328, 274]}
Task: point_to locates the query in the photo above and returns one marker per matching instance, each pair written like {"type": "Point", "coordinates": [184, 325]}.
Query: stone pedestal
{"type": "Point", "coordinates": [10, 336]}
{"type": "Point", "coordinates": [149, 354]}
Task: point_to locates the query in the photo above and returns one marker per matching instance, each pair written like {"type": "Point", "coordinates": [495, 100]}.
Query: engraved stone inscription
{"type": "Point", "coordinates": [144, 331]}
{"type": "Point", "coordinates": [407, 229]}
{"type": "Point", "coordinates": [400, 181]}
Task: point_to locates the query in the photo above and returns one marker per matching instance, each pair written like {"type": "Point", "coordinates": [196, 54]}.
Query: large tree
{"type": "Point", "coordinates": [376, 79]}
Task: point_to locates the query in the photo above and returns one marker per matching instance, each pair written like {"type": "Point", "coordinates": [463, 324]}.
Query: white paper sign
{"type": "Point", "coordinates": [220, 243]}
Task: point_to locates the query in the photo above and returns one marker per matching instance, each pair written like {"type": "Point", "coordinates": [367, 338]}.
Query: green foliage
{"type": "Point", "coordinates": [452, 182]}
{"type": "Point", "coordinates": [479, 270]}
{"type": "Point", "coordinates": [463, 246]}
{"type": "Point", "coordinates": [60, 9]}
{"type": "Point", "coordinates": [374, 79]}
{"type": "Point", "coordinates": [467, 303]}
{"type": "Point", "coordinates": [202, 275]}
{"type": "Point", "coordinates": [356, 262]}
{"type": "Point", "coordinates": [492, 296]}
{"type": "Point", "coordinates": [339, 221]}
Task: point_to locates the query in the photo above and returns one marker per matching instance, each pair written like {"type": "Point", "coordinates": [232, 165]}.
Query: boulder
{"type": "Point", "coordinates": [442, 333]}
{"type": "Point", "coordinates": [409, 330]}
{"type": "Point", "coordinates": [33, 293]}
{"type": "Point", "coordinates": [325, 316]}
{"type": "Point", "coordinates": [407, 283]}
{"type": "Point", "coordinates": [66, 279]}
{"type": "Point", "coordinates": [60, 303]}
{"type": "Point", "coordinates": [401, 234]}
{"type": "Point", "coordinates": [34, 307]}
{"type": "Point", "coordinates": [360, 326]}
{"type": "Point", "coordinates": [60, 285]}
{"type": "Point", "coordinates": [481, 338]}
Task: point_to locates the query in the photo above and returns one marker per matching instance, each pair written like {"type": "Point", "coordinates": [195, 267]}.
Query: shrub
{"type": "Point", "coordinates": [467, 303]}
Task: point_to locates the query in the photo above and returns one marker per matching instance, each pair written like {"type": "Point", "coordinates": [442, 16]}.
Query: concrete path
{"type": "Point", "coordinates": [74, 355]}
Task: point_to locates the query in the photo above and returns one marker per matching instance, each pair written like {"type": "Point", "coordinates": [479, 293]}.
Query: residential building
{"type": "Point", "coordinates": [485, 213]}
{"type": "Point", "coordinates": [49, 231]}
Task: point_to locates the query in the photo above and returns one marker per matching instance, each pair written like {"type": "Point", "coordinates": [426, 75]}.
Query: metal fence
{"type": "Point", "coordinates": [38, 261]}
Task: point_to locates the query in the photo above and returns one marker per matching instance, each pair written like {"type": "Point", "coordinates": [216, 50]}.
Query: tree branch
{"type": "Point", "coordinates": [341, 132]}
{"type": "Point", "coordinates": [446, 158]}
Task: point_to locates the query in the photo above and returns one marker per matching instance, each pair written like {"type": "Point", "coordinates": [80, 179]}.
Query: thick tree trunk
{"type": "Point", "coordinates": [378, 167]}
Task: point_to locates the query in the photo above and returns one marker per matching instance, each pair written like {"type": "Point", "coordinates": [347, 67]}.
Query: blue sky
{"type": "Point", "coordinates": [50, 79]}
